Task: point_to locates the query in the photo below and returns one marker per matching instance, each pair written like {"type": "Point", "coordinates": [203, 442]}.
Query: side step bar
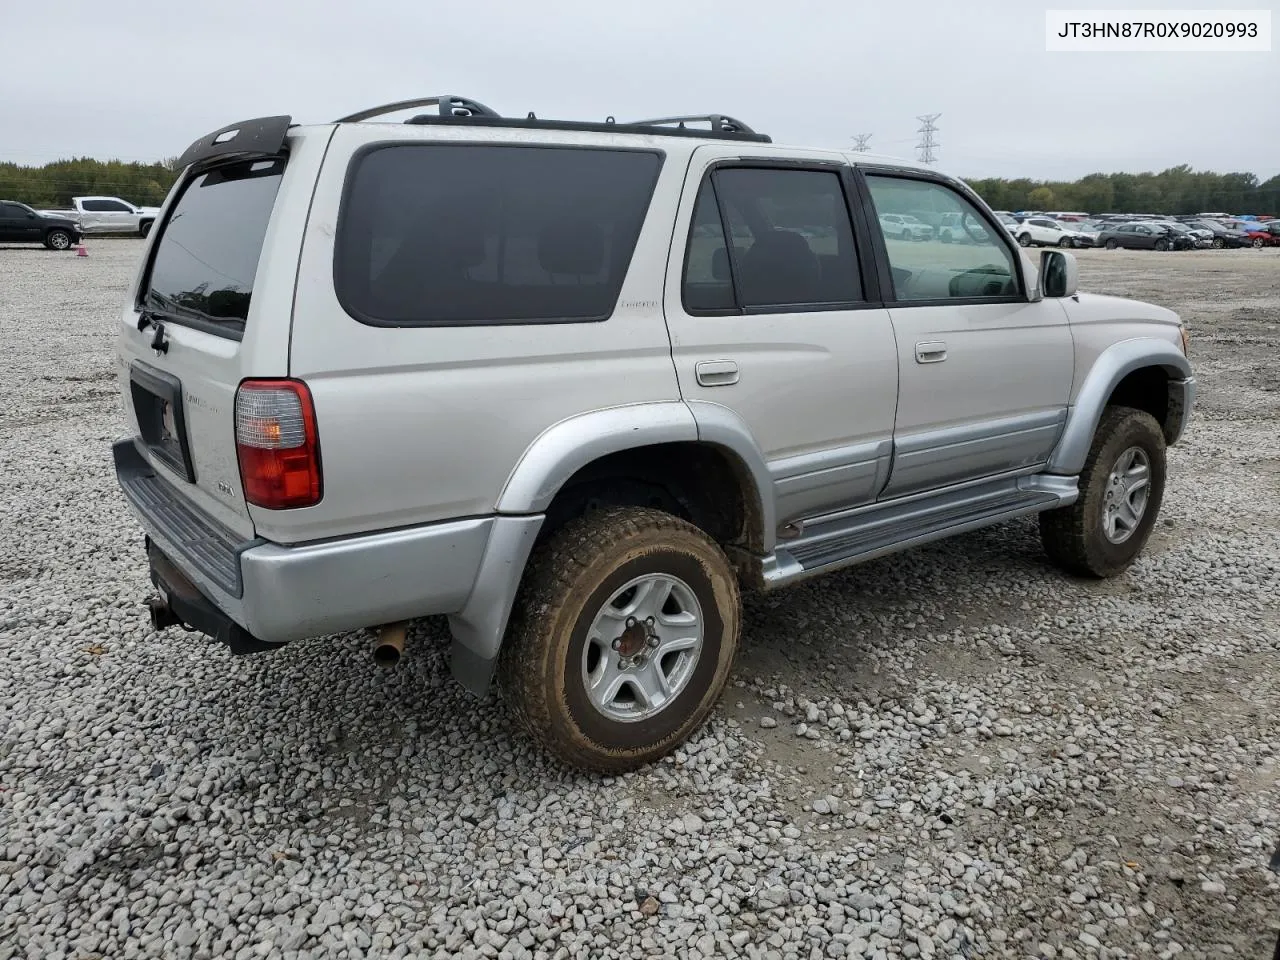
{"type": "Point", "coordinates": [853, 536]}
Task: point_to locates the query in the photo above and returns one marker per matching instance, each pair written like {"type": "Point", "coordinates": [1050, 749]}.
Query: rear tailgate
{"type": "Point", "coordinates": [215, 296]}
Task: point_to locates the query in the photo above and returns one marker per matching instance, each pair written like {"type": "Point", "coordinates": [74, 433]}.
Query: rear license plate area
{"type": "Point", "coordinates": [157, 403]}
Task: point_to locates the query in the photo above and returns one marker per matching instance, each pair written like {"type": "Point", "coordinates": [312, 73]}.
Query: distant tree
{"type": "Point", "coordinates": [1041, 198]}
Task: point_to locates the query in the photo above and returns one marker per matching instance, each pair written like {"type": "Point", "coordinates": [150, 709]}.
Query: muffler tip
{"type": "Point", "coordinates": [388, 648]}
{"type": "Point", "coordinates": [162, 615]}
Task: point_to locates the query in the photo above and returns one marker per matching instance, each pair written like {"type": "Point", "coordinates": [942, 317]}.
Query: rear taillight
{"type": "Point", "coordinates": [277, 444]}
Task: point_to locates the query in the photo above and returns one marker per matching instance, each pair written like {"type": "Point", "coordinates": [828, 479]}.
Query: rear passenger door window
{"type": "Point", "coordinates": [790, 243]}
{"type": "Point", "coordinates": [974, 261]}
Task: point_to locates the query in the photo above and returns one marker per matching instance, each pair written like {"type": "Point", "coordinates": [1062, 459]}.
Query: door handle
{"type": "Point", "coordinates": [716, 373]}
{"type": "Point", "coordinates": [931, 351]}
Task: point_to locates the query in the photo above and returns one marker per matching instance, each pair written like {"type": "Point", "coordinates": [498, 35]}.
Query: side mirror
{"type": "Point", "coordinates": [1059, 274]}
{"type": "Point", "coordinates": [31, 216]}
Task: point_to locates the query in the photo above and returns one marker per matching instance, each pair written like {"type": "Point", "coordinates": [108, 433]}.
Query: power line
{"type": "Point", "coordinates": [860, 141]}
{"type": "Point", "coordinates": [928, 145]}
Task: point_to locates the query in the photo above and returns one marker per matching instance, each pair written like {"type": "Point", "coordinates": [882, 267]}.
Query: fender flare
{"type": "Point", "coordinates": [1112, 365]}
{"type": "Point", "coordinates": [547, 464]}
{"type": "Point", "coordinates": [566, 447]}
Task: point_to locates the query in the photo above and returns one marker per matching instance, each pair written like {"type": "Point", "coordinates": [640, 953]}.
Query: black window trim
{"type": "Point", "coordinates": [157, 237]}
{"type": "Point", "coordinates": [877, 244]}
{"type": "Point", "coordinates": [867, 276]}
{"type": "Point", "coordinates": [373, 147]}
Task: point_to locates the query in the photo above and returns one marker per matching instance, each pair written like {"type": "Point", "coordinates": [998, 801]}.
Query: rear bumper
{"type": "Point", "coordinates": [274, 594]}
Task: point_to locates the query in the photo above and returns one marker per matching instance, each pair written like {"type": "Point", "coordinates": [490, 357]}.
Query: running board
{"type": "Point", "coordinates": [840, 540]}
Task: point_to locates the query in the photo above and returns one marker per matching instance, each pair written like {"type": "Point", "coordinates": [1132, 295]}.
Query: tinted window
{"type": "Point", "coordinates": [792, 239]}
{"type": "Point", "coordinates": [12, 211]}
{"type": "Point", "coordinates": [435, 234]}
{"type": "Point", "coordinates": [114, 206]}
{"type": "Point", "coordinates": [939, 265]}
{"type": "Point", "coordinates": [207, 256]}
{"type": "Point", "coordinates": [707, 281]}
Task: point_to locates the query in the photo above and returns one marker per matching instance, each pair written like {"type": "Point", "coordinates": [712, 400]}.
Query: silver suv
{"type": "Point", "coordinates": [574, 385]}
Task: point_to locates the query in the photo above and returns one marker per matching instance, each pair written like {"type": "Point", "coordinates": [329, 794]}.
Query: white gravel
{"type": "Point", "coordinates": [952, 753]}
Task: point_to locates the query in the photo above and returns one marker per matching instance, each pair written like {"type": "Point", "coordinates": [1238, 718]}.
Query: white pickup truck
{"type": "Point", "coordinates": [109, 215]}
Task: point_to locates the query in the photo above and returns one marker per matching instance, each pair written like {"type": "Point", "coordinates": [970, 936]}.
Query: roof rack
{"type": "Point", "coordinates": [449, 105]}
{"type": "Point", "coordinates": [455, 109]}
{"type": "Point", "coordinates": [718, 121]}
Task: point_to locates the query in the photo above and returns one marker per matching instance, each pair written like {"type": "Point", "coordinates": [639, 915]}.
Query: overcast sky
{"type": "Point", "coordinates": [140, 79]}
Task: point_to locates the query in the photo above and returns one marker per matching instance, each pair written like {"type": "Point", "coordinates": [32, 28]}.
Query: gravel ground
{"type": "Point", "coordinates": [956, 752]}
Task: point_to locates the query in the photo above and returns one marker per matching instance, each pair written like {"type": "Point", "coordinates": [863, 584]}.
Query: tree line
{"type": "Point", "coordinates": [1174, 191]}
{"type": "Point", "coordinates": [54, 184]}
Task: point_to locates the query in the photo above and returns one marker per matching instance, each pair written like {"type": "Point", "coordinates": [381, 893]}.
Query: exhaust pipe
{"type": "Point", "coordinates": [162, 615]}
{"type": "Point", "coordinates": [388, 647]}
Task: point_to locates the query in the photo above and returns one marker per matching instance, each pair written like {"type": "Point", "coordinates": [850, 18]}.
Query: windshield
{"type": "Point", "coordinates": [206, 258]}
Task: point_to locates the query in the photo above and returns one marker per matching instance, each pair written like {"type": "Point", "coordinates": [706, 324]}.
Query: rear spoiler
{"type": "Point", "coordinates": [262, 137]}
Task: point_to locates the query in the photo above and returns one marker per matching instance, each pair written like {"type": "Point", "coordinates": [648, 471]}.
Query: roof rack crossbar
{"type": "Point", "coordinates": [449, 104]}
{"type": "Point", "coordinates": [718, 121]}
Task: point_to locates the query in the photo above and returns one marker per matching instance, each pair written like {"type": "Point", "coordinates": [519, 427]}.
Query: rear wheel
{"type": "Point", "coordinates": [58, 240]}
{"type": "Point", "coordinates": [144, 228]}
{"type": "Point", "coordinates": [622, 639]}
{"type": "Point", "coordinates": [1121, 489]}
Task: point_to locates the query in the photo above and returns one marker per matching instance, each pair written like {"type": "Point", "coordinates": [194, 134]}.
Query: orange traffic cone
{"type": "Point", "coordinates": [80, 250]}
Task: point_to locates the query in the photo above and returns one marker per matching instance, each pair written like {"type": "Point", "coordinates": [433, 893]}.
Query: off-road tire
{"type": "Point", "coordinates": [1073, 536]}
{"type": "Point", "coordinates": [568, 579]}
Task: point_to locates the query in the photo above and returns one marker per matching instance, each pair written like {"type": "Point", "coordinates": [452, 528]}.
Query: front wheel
{"type": "Point", "coordinates": [622, 638]}
{"type": "Point", "coordinates": [1218, 243]}
{"type": "Point", "coordinates": [1257, 243]}
{"type": "Point", "coordinates": [58, 240]}
{"type": "Point", "coordinates": [1111, 244]}
{"type": "Point", "coordinates": [1162, 245]}
{"type": "Point", "coordinates": [1024, 240]}
{"type": "Point", "coordinates": [1121, 489]}
{"type": "Point", "coordinates": [1064, 242]}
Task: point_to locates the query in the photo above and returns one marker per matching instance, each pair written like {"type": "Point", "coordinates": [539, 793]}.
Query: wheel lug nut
{"type": "Point", "coordinates": [653, 642]}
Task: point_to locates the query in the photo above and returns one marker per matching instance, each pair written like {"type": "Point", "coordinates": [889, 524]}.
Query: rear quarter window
{"type": "Point", "coordinates": [443, 234]}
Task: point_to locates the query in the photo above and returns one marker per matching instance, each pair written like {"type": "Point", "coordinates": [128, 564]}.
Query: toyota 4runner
{"type": "Point", "coordinates": [573, 385]}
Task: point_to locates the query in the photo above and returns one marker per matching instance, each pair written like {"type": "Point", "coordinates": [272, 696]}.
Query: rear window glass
{"type": "Point", "coordinates": [206, 257]}
{"type": "Point", "coordinates": [467, 234]}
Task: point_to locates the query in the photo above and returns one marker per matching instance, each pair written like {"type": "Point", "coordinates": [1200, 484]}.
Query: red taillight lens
{"type": "Point", "coordinates": [277, 444]}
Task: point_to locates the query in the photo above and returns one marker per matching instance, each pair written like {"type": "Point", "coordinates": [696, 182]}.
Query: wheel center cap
{"type": "Point", "coordinates": [634, 639]}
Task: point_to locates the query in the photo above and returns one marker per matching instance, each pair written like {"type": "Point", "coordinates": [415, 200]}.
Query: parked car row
{"type": "Point", "coordinates": [1141, 231]}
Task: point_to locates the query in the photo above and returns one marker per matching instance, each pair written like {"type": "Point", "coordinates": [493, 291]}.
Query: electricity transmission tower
{"type": "Point", "coordinates": [928, 145]}
{"type": "Point", "coordinates": [860, 141]}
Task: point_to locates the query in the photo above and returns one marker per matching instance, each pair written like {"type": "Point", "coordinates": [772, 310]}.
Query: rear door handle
{"type": "Point", "coordinates": [716, 373]}
{"type": "Point", "coordinates": [931, 351]}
